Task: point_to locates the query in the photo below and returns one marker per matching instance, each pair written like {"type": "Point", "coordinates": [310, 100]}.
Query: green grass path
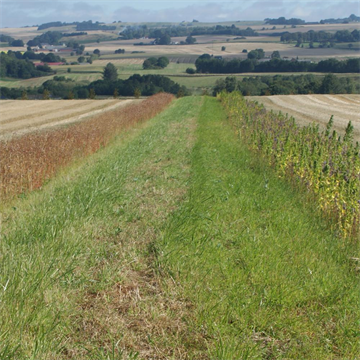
{"type": "Point", "coordinates": [174, 242]}
{"type": "Point", "coordinates": [75, 259]}
{"type": "Point", "coordinates": [269, 282]}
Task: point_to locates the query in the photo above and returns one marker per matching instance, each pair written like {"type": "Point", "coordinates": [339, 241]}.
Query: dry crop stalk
{"type": "Point", "coordinates": [26, 162]}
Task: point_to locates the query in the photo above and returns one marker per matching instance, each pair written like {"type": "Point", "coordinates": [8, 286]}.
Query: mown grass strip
{"type": "Point", "coordinates": [268, 278]}
{"type": "Point", "coordinates": [76, 275]}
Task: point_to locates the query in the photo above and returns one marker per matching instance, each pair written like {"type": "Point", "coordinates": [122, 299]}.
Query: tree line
{"type": "Point", "coordinates": [282, 21]}
{"type": "Point", "coordinates": [89, 25]}
{"type": "Point", "coordinates": [136, 32]}
{"type": "Point", "coordinates": [110, 85]}
{"type": "Point", "coordinates": [351, 18]}
{"type": "Point", "coordinates": [209, 64]}
{"type": "Point", "coordinates": [321, 36]}
{"type": "Point", "coordinates": [31, 55]}
{"type": "Point", "coordinates": [288, 85]}
{"type": "Point", "coordinates": [10, 66]}
{"type": "Point", "coordinates": [55, 24]}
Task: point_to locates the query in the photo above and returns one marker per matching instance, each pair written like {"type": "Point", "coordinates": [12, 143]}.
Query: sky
{"type": "Point", "coordinates": [16, 13]}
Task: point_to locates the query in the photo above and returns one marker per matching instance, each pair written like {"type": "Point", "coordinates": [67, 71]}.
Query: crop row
{"type": "Point", "coordinates": [326, 164]}
{"type": "Point", "coordinates": [28, 161]}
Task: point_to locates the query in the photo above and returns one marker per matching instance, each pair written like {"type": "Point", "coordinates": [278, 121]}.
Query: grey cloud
{"type": "Point", "coordinates": [31, 13]}
{"type": "Point", "coordinates": [20, 13]}
{"type": "Point", "coordinates": [232, 11]}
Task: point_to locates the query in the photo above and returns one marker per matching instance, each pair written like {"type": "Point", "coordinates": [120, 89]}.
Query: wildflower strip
{"type": "Point", "coordinates": [327, 164]}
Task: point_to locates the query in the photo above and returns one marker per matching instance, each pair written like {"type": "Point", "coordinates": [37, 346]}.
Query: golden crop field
{"type": "Point", "coordinates": [23, 33]}
{"type": "Point", "coordinates": [196, 49]}
{"type": "Point", "coordinates": [21, 116]}
{"type": "Point", "coordinates": [317, 108]}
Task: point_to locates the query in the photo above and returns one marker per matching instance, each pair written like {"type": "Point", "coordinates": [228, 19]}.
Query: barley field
{"type": "Point", "coordinates": [37, 155]}
{"type": "Point", "coordinates": [17, 118]}
{"type": "Point", "coordinates": [317, 108]}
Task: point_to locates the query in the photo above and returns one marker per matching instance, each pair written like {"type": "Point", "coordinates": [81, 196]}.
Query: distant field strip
{"type": "Point", "coordinates": [317, 108]}
{"type": "Point", "coordinates": [120, 61]}
{"type": "Point", "coordinates": [19, 117]}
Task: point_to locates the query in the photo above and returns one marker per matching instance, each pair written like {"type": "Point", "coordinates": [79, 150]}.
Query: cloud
{"type": "Point", "coordinates": [27, 12]}
{"type": "Point", "coordinates": [17, 13]}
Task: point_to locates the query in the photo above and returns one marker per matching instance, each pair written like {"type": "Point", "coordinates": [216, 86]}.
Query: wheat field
{"type": "Point", "coordinates": [19, 117]}
{"type": "Point", "coordinates": [317, 108]}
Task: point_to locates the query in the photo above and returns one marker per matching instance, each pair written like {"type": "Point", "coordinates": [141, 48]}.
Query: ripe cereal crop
{"type": "Point", "coordinates": [28, 161]}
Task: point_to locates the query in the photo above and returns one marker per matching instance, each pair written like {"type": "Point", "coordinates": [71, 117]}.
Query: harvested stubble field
{"type": "Point", "coordinates": [33, 158]}
{"type": "Point", "coordinates": [174, 242]}
{"type": "Point", "coordinates": [317, 108]}
{"type": "Point", "coordinates": [17, 118]}
{"type": "Point", "coordinates": [197, 49]}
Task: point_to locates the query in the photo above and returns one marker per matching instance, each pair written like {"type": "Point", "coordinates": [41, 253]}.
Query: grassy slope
{"type": "Point", "coordinates": [270, 281]}
{"type": "Point", "coordinates": [95, 267]}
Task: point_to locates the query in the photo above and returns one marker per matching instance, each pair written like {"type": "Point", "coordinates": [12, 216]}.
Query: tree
{"type": "Point", "coordinates": [180, 93]}
{"type": "Point", "coordinates": [19, 43]}
{"type": "Point", "coordinates": [256, 54]}
{"type": "Point", "coordinates": [190, 40]}
{"type": "Point", "coordinates": [46, 94]}
{"type": "Point", "coordinates": [96, 52]}
{"type": "Point", "coordinates": [81, 59]}
{"type": "Point", "coordinates": [275, 55]}
{"type": "Point", "coordinates": [51, 58]}
{"type": "Point", "coordinates": [69, 70]}
{"type": "Point", "coordinates": [147, 64]}
{"type": "Point", "coordinates": [164, 40]}
{"type": "Point", "coordinates": [70, 95]}
{"type": "Point", "coordinates": [137, 93]}
{"type": "Point", "coordinates": [230, 84]}
{"type": "Point", "coordinates": [110, 72]}
{"type": "Point", "coordinates": [162, 62]}
{"type": "Point", "coordinates": [116, 93]}
{"type": "Point", "coordinates": [24, 95]}
{"type": "Point", "coordinates": [92, 94]}
{"type": "Point", "coordinates": [156, 63]}
{"type": "Point", "coordinates": [223, 48]}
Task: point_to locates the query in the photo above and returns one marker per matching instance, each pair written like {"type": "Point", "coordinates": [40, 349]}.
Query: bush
{"type": "Point", "coordinates": [190, 71]}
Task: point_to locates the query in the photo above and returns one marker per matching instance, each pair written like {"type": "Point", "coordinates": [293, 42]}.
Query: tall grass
{"type": "Point", "coordinates": [326, 164]}
{"type": "Point", "coordinates": [27, 162]}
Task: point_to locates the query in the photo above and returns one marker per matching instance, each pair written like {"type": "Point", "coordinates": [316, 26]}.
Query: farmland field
{"type": "Point", "coordinates": [29, 115]}
{"type": "Point", "coordinates": [174, 241]}
{"type": "Point", "coordinates": [317, 108]}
